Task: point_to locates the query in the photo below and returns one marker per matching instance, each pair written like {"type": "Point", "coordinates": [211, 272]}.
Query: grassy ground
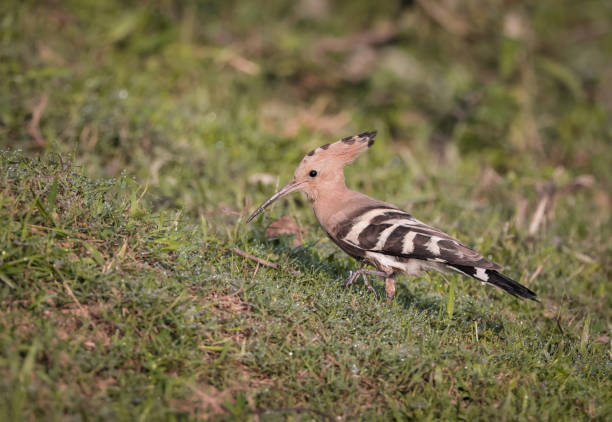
{"type": "Point", "coordinates": [136, 139]}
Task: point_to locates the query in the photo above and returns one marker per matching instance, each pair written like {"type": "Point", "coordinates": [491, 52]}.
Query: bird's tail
{"type": "Point", "coordinates": [497, 279]}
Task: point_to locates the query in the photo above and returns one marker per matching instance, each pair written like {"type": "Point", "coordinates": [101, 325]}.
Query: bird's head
{"type": "Point", "coordinates": [321, 168]}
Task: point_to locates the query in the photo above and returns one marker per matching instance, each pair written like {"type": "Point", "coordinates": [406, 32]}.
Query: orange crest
{"type": "Point", "coordinates": [341, 152]}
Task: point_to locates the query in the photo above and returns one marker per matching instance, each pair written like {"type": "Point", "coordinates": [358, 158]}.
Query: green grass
{"type": "Point", "coordinates": [119, 207]}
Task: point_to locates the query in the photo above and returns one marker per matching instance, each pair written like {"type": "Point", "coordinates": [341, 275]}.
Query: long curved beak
{"type": "Point", "coordinates": [288, 188]}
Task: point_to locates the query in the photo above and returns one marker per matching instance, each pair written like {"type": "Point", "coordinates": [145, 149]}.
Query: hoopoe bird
{"type": "Point", "coordinates": [379, 233]}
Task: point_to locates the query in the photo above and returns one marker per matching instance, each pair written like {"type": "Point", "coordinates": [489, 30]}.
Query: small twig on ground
{"type": "Point", "coordinates": [262, 261]}
{"type": "Point", "coordinates": [34, 126]}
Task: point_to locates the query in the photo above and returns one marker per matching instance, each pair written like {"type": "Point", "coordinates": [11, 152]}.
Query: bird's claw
{"type": "Point", "coordinates": [350, 279]}
{"type": "Point", "coordinates": [367, 283]}
{"type": "Point", "coordinates": [354, 275]}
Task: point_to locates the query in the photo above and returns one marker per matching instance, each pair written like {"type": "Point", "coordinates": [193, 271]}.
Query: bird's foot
{"type": "Point", "coordinates": [350, 279]}
{"type": "Point", "coordinates": [353, 275]}
{"type": "Point", "coordinates": [367, 283]}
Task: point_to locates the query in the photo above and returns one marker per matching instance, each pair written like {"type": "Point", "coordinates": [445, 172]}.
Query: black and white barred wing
{"type": "Point", "coordinates": [390, 236]}
{"type": "Point", "coordinates": [393, 232]}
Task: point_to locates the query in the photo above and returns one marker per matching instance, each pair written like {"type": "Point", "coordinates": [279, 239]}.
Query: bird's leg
{"type": "Point", "coordinates": [390, 287]}
{"type": "Point", "coordinates": [353, 275]}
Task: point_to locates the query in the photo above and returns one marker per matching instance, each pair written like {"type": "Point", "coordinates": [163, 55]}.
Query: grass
{"type": "Point", "coordinates": [137, 138]}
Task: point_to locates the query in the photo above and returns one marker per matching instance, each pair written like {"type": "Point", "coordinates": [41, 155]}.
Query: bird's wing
{"type": "Point", "coordinates": [393, 232]}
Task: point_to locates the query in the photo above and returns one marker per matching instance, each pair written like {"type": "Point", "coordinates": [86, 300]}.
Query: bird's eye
{"type": "Point", "coordinates": [312, 173]}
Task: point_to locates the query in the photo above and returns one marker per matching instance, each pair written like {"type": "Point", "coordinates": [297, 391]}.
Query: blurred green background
{"type": "Point", "coordinates": [189, 95]}
{"type": "Point", "coordinates": [494, 122]}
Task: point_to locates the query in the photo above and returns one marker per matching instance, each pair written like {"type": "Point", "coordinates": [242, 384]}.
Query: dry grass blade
{"type": "Point", "coordinates": [534, 275]}
{"type": "Point", "coordinates": [379, 35]}
{"type": "Point", "coordinates": [521, 211]}
{"type": "Point", "coordinates": [488, 179]}
{"type": "Point", "coordinates": [449, 21]}
{"type": "Point", "coordinates": [34, 125]}
{"type": "Point", "coordinates": [549, 195]}
{"type": "Point", "coordinates": [261, 261]}
{"type": "Point", "coordinates": [539, 214]}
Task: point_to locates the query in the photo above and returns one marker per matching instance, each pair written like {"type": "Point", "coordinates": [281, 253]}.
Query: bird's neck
{"type": "Point", "coordinates": [332, 202]}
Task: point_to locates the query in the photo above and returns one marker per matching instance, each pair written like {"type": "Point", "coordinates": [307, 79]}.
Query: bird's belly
{"type": "Point", "coordinates": [406, 265]}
